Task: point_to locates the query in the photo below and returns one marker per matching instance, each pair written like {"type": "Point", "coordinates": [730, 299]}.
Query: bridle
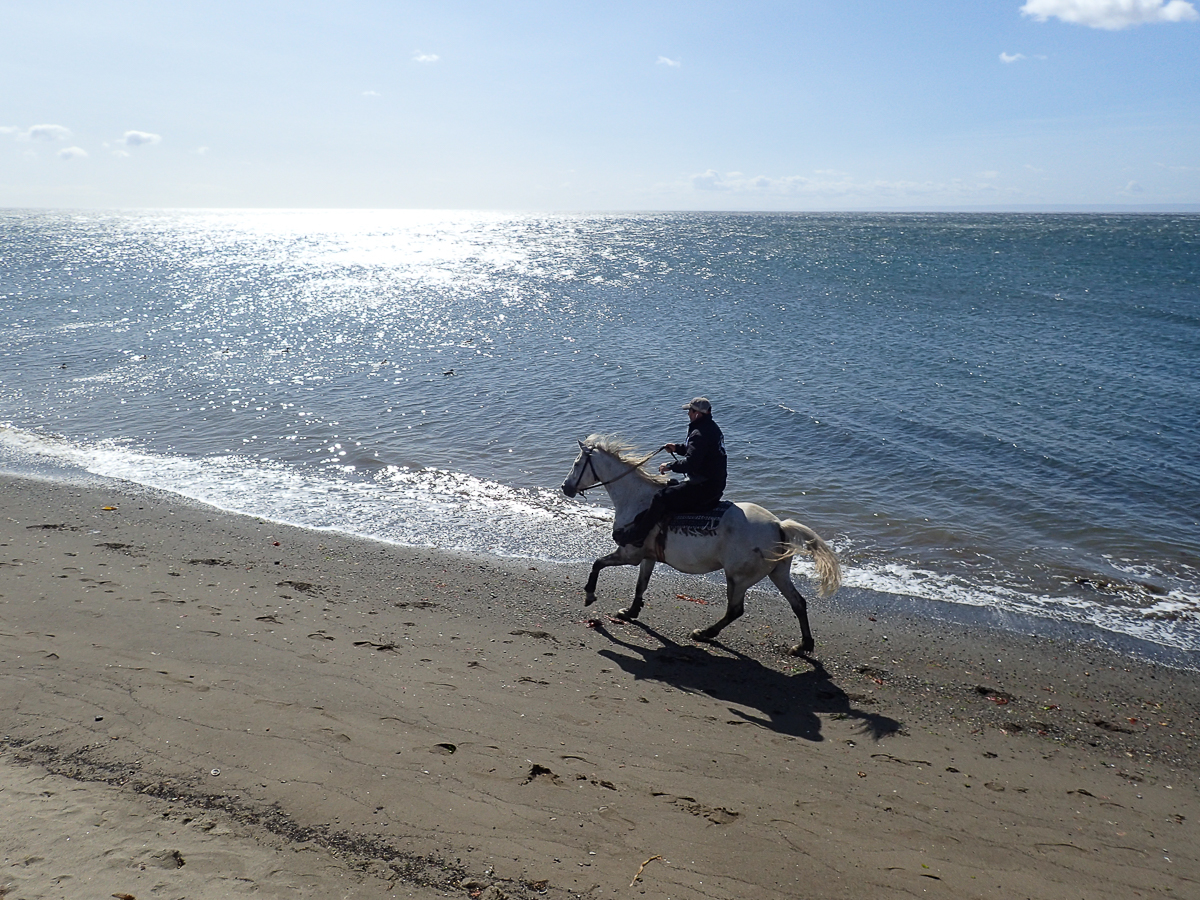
{"type": "Point", "coordinates": [588, 464]}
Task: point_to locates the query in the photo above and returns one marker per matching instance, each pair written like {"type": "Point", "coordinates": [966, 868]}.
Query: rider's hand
{"type": "Point", "coordinates": [663, 468]}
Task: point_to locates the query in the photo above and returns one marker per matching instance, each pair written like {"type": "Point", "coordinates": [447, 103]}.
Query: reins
{"type": "Point", "coordinates": [633, 467]}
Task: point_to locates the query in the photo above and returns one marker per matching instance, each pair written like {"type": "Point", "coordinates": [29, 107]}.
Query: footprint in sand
{"type": "Point", "coordinates": [541, 773]}
{"type": "Point", "coordinates": [718, 815]}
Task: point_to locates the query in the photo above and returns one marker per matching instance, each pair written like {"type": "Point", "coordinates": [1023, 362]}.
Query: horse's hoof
{"type": "Point", "coordinates": [626, 615]}
{"type": "Point", "coordinates": [701, 635]}
{"type": "Point", "coordinates": [803, 649]}
{"type": "Point", "coordinates": [589, 599]}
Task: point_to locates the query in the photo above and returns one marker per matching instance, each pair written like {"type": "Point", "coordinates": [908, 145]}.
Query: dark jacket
{"type": "Point", "coordinates": [704, 460]}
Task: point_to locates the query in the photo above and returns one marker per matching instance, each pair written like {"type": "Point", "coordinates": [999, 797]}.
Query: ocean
{"type": "Point", "coordinates": [987, 415]}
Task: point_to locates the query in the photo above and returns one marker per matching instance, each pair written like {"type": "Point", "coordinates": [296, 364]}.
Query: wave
{"type": "Point", "coordinates": [396, 504]}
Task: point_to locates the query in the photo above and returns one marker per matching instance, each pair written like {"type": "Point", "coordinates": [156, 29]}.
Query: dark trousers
{"type": "Point", "coordinates": [685, 497]}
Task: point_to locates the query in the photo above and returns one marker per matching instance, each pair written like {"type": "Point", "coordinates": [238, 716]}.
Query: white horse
{"type": "Point", "coordinates": [749, 542]}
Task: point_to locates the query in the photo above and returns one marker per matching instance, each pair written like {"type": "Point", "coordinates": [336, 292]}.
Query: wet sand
{"type": "Point", "coordinates": [202, 704]}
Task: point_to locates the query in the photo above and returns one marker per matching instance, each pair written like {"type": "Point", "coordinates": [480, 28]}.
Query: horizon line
{"type": "Point", "coordinates": [1050, 208]}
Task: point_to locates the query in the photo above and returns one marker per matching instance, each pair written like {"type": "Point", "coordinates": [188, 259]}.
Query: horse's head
{"type": "Point", "coordinates": [583, 474]}
{"type": "Point", "coordinates": [605, 460]}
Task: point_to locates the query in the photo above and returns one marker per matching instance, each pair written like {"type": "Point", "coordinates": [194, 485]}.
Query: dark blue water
{"type": "Point", "coordinates": [996, 411]}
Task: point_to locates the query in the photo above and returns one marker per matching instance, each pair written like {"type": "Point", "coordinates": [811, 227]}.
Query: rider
{"type": "Point", "coordinates": [703, 462]}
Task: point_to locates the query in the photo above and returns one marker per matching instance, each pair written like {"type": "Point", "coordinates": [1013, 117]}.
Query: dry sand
{"type": "Point", "coordinates": [196, 704]}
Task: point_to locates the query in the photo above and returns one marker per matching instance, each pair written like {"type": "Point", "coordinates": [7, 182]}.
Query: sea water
{"type": "Point", "coordinates": [997, 413]}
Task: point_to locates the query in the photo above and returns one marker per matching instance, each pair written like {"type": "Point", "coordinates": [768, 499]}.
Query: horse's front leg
{"type": "Point", "coordinates": [735, 592]}
{"type": "Point", "coordinates": [645, 570]}
{"type": "Point", "coordinates": [616, 558]}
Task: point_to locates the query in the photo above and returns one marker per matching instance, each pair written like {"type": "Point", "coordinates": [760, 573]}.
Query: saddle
{"type": "Point", "coordinates": [694, 524]}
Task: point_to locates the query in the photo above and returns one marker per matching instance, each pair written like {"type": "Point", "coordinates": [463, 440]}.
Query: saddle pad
{"type": "Point", "coordinates": [699, 522]}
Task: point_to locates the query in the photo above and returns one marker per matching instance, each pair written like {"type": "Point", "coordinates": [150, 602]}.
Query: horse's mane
{"type": "Point", "coordinates": [625, 452]}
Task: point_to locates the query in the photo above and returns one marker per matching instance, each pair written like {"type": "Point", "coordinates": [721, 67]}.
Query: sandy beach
{"type": "Point", "coordinates": [198, 704]}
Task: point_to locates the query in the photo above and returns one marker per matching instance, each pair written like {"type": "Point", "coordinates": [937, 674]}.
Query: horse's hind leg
{"type": "Point", "coordinates": [735, 592]}
{"type": "Point", "coordinates": [645, 570]}
{"type": "Point", "coordinates": [782, 576]}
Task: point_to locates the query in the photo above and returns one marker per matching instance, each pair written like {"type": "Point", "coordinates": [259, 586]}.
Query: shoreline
{"type": "Point", "coordinates": [926, 611]}
{"type": "Point", "coordinates": [440, 724]}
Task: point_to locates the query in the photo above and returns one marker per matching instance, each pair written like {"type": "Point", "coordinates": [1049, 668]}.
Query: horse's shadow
{"type": "Point", "coordinates": [787, 704]}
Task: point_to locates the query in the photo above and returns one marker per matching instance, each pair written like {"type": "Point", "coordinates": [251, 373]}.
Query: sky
{"type": "Point", "coordinates": [561, 106]}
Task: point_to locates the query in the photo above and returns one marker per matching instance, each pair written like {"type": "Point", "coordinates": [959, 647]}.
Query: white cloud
{"type": "Point", "coordinates": [420, 57]}
{"type": "Point", "coordinates": [138, 138]}
{"type": "Point", "coordinates": [47, 133]}
{"type": "Point", "coordinates": [72, 153]}
{"type": "Point", "coordinates": [709, 181]}
{"type": "Point", "coordinates": [831, 186]}
{"type": "Point", "coordinates": [667, 61]}
{"type": "Point", "coordinates": [1132, 188]}
{"type": "Point", "coordinates": [1111, 14]}
{"type": "Point", "coordinates": [1011, 57]}
{"type": "Point", "coordinates": [371, 94]}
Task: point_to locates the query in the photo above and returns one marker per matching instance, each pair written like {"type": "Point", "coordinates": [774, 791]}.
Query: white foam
{"type": "Point", "coordinates": [1172, 622]}
{"type": "Point", "coordinates": [426, 507]}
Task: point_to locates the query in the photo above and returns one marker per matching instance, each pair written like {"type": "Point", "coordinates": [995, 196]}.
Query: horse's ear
{"type": "Point", "coordinates": [580, 443]}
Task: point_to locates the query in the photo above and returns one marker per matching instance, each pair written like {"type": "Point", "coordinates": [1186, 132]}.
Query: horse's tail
{"type": "Point", "coordinates": [800, 538]}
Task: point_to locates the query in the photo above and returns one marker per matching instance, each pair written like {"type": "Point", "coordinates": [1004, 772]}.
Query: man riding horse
{"type": "Point", "coordinates": [702, 460]}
